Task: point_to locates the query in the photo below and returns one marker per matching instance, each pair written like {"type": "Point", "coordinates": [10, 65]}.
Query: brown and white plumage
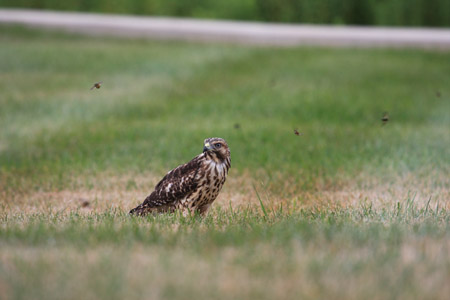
{"type": "Point", "coordinates": [191, 187]}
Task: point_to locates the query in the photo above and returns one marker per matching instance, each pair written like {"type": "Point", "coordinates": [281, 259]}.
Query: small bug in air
{"type": "Point", "coordinates": [385, 118]}
{"type": "Point", "coordinates": [97, 85]}
{"type": "Point", "coordinates": [297, 133]}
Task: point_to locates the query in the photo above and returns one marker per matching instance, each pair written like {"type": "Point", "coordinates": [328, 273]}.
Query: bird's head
{"type": "Point", "coordinates": [216, 148]}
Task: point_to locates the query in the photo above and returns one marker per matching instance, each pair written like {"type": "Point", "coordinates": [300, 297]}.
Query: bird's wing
{"type": "Point", "coordinates": [175, 185]}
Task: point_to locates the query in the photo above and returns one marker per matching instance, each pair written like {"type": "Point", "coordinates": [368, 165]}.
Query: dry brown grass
{"type": "Point", "coordinates": [125, 191]}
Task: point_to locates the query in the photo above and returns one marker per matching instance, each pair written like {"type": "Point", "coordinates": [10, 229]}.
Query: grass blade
{"type": "Point", "coordinates": [260, 202]}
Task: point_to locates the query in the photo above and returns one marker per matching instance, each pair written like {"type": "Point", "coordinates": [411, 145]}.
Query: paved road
{"type": "Point", "coordinates": [229, 31]}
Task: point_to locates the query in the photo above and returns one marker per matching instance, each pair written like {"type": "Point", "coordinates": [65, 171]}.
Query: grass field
{"type": "Point", "coordinates": [350, 210]}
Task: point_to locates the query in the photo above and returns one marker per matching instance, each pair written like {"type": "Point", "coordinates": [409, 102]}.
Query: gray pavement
{"type": "Point", "coordinates": [228, 31]}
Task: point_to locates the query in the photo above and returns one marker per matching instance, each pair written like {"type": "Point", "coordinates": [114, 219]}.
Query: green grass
{"type": "Point", "coordinates": [394, 253]}
{"type": "Point", "coordinates": [60, 142]}
{"type": "Point", "coordinates": [160, 100]}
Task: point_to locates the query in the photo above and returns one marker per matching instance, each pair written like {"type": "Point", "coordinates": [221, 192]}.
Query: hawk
{"type": "Point", "coordinates": [191, 187]}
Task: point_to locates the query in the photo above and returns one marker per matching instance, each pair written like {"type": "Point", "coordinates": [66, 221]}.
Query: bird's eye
{"type": "Point", "coordinates": [217, 145]}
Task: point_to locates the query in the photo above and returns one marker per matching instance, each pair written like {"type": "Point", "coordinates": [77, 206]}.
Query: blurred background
{"type": "Point", "coordinates": [429, 13]}
{"type": "Point", "coordinates": [160, 99]}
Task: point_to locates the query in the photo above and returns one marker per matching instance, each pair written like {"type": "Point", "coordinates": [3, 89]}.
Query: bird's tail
{"type": "Point", "coordinates": [145, 209]}
{"type": "Point", "coordinates": [140, 210]}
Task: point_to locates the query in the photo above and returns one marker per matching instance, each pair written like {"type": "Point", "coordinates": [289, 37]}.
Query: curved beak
{"type": "Point", "coordinates": [207, 147]}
